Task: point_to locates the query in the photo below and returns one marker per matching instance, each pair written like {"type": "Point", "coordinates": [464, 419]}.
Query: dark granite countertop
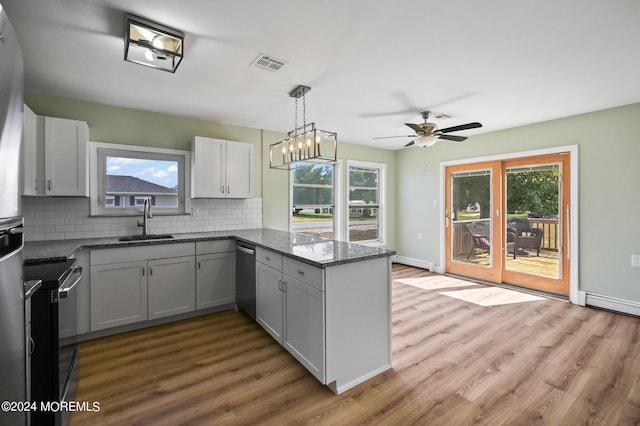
{"type": "Point", "coordinates": [316, 251]}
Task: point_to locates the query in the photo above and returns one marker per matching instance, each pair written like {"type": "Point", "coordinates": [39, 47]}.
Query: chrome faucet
{"type": "Point", "coordinates": [146, 214]}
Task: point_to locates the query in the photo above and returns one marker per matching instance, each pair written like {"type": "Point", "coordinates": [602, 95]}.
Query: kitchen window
{"type": "Point", "coordinates": [127, 175]}
{"type": "Point", "coordinates": [366, 202]}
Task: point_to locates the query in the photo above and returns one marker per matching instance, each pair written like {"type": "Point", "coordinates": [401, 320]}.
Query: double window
{"type": "Point", "coordinates": [318, 209]}
{"type": "Point", "coordinates": [125, 176]}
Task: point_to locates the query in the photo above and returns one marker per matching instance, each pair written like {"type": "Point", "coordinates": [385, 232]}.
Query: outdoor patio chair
{"type": "Point", "coordinates": [480, 232]}
{"type": "Point", "coordinates": [528, 237]}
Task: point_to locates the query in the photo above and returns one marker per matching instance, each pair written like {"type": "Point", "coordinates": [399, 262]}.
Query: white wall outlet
{"type": "Point", "coordinates": [635, 260]}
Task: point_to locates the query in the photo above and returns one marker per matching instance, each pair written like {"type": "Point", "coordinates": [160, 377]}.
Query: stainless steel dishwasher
{"type": "Point", "coordinates": [246, 278]}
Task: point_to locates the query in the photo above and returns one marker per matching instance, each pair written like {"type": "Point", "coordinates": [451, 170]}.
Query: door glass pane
{"type": "Point", "coordinates": [313, 199]}
{"type": "Point", "coordinates": [533, 224]}
{"type": "Point", "coordinates": [471, 213]}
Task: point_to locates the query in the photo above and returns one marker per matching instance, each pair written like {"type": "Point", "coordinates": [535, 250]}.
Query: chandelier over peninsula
{"type": "Point", "coordinates": [305, 143]}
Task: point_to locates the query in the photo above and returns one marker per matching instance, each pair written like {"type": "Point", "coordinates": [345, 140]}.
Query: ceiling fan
{"type": "Point", "coordinates": [427, 134]}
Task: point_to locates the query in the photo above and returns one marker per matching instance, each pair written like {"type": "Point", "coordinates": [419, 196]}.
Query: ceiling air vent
{"type": "Point", "coordinates": [268, 62]}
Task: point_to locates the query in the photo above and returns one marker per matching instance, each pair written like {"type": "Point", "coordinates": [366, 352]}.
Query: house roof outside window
{"type": "Point", "coordinates": [132, 185]}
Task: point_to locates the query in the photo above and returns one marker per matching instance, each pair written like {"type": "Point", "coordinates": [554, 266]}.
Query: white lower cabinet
{"type": "Point", "coordinates": [269, 301]}
{"type": "Point", "coordinates": [215, 273]}
{"type": "Point", "coordinates": [118, 294]}
{"type": "Point", "coordinates": [171, 288]}
{"type": "Point", "coordinates": [304, 325]}
{"type": "Point", "coordinates": [133, 284]}
{"type": "Point", "coordinates": [291, 310]}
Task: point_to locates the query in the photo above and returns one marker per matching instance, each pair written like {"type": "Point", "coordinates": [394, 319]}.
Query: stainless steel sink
{"type": "Point", "coordinates": [145, 237]}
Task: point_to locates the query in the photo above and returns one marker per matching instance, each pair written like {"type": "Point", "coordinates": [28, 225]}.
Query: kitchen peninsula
{"type": "Point", "coordinates": [327, 302]}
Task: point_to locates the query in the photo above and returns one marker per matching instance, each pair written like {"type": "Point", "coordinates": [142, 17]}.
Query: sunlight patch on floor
{"type": "Point", "coordinates": [491, 296]}
{"type": "Point", "coordinates": [435, 282]}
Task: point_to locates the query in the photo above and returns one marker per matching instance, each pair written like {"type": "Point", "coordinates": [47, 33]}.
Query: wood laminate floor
{"type": "Point", "coordinates": [456, 361]}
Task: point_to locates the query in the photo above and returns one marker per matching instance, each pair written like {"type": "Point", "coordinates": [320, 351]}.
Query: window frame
{"type": "Point", "coordinates": [382, 197]}
{"type": "Point", "coordinates": [98, 151]}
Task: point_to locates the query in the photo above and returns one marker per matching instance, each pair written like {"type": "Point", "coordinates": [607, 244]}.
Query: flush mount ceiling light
{"type": "Point", "coordinates": [151, 44]}
{"type": "Point", "coordinates": [304, 144]}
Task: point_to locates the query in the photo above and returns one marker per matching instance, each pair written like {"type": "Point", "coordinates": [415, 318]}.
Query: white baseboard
{"type": "Point", "coordinates": [612, 303]}
{"type": "Point", "coordinates": [424, 264]}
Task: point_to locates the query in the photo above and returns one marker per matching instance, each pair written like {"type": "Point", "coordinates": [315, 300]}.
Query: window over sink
{"type": "Point", "coordinates": [124, 176]}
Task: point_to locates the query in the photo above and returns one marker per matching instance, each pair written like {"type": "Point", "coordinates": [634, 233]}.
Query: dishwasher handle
{"type": "Point", "coordinates": [245, 250]}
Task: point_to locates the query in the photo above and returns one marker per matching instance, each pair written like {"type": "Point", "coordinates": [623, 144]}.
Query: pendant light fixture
{"type": "Point", "coordinates": [151, 44]}
{"type": "Point", "coordinates": [303, 144]}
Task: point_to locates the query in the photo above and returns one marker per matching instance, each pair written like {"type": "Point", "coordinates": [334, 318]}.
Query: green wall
{"type": "Point", "coordinates": [135, 127]}
{"type": "Point", "coordinates": [609, 199]}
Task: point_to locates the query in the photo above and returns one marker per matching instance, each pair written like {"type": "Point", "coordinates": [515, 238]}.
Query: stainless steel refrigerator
{"type": "Point", "coordinates": [12, 320]}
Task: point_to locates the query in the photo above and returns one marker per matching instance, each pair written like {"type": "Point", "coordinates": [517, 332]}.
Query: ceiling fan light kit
{"type": "Point", "coordinates": [151, 44]}
{"type": "Point", "coordinates": [303, 144]}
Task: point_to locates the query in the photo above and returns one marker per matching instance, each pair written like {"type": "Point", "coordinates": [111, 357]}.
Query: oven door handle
{"type": "Point", "coordinates": [64, 290]}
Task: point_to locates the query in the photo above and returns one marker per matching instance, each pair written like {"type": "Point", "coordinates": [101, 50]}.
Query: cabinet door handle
{"type": "Point", "coordinates": [143, 272]}
{"type": "Point", "coordinates": [267, 258]}
{"type": "Point", "coordinates": [228, 190]}
{"type": "Point", "coordinates": [198, 265]}
{"type": "Point", "coordinates": [301, 272]}
{"type": "Point", "coordinates": [36, 182]}
{"type": "Point", "coordinates": [222, 189]}
{"type": "Point", "coordinates": [150, 271]}
{"type": "Point", "coordinates": [50, 185]}
{"type": "Point", "coordinates": [279, 283]}
{"type": "Point", "coordinates": [284, 286]}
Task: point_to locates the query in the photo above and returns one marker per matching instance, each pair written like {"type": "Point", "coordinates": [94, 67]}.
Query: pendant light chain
{"type": "Point", "coordinates": [304, 113]}
{"type": "Point", "coordinates": [295, 124]}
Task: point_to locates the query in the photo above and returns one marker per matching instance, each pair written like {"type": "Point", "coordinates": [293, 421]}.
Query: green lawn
{"type": "Point", "coordinates": [312, 217]}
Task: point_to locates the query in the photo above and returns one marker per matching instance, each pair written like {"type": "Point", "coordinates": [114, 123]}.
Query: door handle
{"type": "Point", "coordinates": [31, 345]}
{"type": "Point", "coordinates": [568, 226]}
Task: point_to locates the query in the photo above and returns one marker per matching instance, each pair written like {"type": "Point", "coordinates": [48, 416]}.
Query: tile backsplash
{"type": "Point", "coordinates": [63, 218]}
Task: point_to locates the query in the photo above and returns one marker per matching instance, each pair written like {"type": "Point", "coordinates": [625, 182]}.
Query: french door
{"type": "Point", "coordinates": [508, 221]}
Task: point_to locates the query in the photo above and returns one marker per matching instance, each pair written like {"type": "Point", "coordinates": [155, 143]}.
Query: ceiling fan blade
{"type": "Point", "coordinates": [410, 144]}
{"type": "Point", "coordinates": [453, 138]}
{"type": "Point", "coordinates": [460, 127]}
{"type": "Point", "coordinates": [416, 128]}
{"type": "Point", "coordinates": [389, 137]}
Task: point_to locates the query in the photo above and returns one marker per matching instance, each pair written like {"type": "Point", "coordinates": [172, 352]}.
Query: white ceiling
{"type": "Point", "coordinates": [371, 65]}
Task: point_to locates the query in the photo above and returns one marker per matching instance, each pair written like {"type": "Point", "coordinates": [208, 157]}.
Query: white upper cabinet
{"type": "Point", "coordinates": [221, 169]}
{"type": "Point", "coordinates": [32, 172]}
{"type": "Point", "coordinates": [66, 157]}
{"type": "Point", "coordinates": [55, 156]}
